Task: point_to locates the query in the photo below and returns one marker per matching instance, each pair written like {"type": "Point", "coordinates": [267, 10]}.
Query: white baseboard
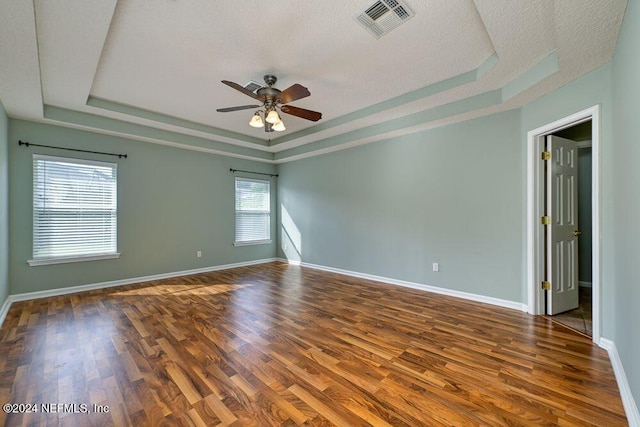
{"type": "Point", "coordinates": [585, 284]}
{"type": "Point", "coordinates": [5, 309]}
{"type": "Point", "coordinates": [630, 407]}
{"type": "Point", "coordinates": [102, 285]}
{"type": "Point", "coordinates": [435, 289]}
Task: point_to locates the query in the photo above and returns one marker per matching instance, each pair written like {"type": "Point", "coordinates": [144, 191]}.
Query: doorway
{"type": "Point", "coordinates": [579, 318]}
{"type": "Point", "coordinates": [581, 127]}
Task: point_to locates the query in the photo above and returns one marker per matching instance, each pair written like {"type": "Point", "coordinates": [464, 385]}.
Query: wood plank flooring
{"type": "Point", "coordinates": [275, 345]}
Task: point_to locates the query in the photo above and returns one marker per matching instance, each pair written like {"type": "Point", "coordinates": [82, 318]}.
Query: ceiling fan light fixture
{"type": "Point", "coordinates": [272, 99]}
{"type": "Point", "coordinates": [273, 117]}
{"type": "Point", "coordinates": [279, 126]}
{"type": "Point", "coordinates": [256, 121]}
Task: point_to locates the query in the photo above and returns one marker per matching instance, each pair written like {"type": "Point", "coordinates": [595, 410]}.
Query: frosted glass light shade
{"type": "Point", "coordinates": [279, 126]}
{"type": "Point", "coordinates": [273, 117]}
{"type": "Point", "coordinates": [256, 121]}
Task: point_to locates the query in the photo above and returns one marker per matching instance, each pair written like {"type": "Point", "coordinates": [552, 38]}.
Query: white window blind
{"type": "Point", "coordinates": [253, 211]}
{"type": "Point", "coordinates": [74, 208]}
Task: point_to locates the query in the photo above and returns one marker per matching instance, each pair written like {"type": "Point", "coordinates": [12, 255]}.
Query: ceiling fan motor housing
{"type": "Point", "coordinates": [269, 93]}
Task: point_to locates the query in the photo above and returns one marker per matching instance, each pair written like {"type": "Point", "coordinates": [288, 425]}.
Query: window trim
{"type": "Point", "coordinates": [70, 259]}
{"type": "Point", "coordinates": [252, 242]}
{"type": "Point", "coordinates": [241, 243]}
{"type": "Point", "coordinates": [73, 258]}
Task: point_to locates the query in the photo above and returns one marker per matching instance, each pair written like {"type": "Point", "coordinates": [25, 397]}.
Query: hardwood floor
{"type": "Point", "coordinates": [283, 345]}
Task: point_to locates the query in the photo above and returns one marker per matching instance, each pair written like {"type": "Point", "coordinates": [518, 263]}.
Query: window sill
{"type": "Point", "coordinates": [65, 260]}
{"type": "Point", "coordinates": [252, 243]}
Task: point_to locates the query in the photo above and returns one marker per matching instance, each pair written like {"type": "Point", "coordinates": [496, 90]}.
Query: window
{"type": "Point", "coordinates": [74, 210]}
{"type": "Point", "coordinates": [253, 212]}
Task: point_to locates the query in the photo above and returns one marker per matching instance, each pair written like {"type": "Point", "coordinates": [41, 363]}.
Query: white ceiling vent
{"type": "Point", "coordinates": [383, 16]}
{"type": "Point", "coordinates": [252, 86]}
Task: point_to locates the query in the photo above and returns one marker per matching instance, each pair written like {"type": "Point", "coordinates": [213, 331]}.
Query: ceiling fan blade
{"type": "Point", "coordinates": [237, 87]}
{"type": "Point", "coordinates": [314, 116]}
{"type": "Point", "coordinates": [241, 107]}
{"type": "Point", "coordinates": [293, 93]}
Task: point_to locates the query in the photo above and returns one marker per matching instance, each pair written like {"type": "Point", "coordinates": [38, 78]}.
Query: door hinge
{"type": "Point", "coordinates": [546, 285]}
{"type": "Point", "coordinates": [546, 155]}
{"type": "Point", "coordinates": [545, 220]}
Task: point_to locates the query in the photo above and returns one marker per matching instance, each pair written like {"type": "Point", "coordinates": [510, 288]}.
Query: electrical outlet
{"type": "Point", "coordinates": [199, 254]}
{"type": "Point", "coordinates": [436, 266]}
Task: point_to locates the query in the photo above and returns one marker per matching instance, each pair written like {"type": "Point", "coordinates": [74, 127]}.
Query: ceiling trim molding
{"type": "Point", "coordinates": [546, 67]}
{"type": "Point", "coordinates": [426, 119]}
{"type": "Point", "coordinates": [418, 94]}
{"type": "Point", "coordinates": [412, 121]}
{"type": "Point", "coordinates": [235, 138]}
{"type": "Point", "coordinates": [103, 124]}
{"type": "Point", "coordinates": [406, 124]}
{"type": "Point", "coordinates": [228, 136]}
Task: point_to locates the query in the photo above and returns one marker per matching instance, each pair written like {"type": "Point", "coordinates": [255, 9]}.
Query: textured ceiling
{"type": "Point", "coordinates": [151, 70]}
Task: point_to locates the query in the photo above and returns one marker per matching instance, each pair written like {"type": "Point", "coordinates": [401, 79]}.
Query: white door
{"type": "Point", "coordinates": [562, 233]}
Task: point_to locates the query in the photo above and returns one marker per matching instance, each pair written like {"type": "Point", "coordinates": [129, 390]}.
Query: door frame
{"type": "Point", "coordinates": [535, 206]}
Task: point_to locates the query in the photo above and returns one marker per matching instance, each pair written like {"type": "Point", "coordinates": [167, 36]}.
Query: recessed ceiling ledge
{"type": "Point", "coordinates": [111, 126]}
{"type": "Point", "coordinates": [173, 121]}
{"type": "Point", "coordinates": [425, 92]}
{"type": "Point", "coordinates": [477, 102]}
{"type": "Point", "coordinates": [543, 69]}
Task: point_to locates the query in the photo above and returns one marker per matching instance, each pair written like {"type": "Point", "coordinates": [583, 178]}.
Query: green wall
{"type": "Point", "coordinates": [457, 195]}
{"type": "Point", "coordinates": [626, 176]}
{"type": "Point", "coordinates": [171, 203]}
{"type": "Point", "coordinates": [591, 89]}
{"type": "Point", "coordinates": [4, 206]}
{"type": "Point", "coordinates": [452, 195]}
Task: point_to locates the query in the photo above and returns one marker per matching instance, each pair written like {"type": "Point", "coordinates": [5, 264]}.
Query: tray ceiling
{"type": "Point", "coordinates": [151, 71]}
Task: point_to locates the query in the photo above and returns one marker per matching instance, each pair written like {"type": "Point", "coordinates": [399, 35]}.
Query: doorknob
{"type": "Point", "coordinates": [577, 233]}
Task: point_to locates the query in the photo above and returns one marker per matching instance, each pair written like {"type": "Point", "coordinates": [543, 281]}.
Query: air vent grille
{"type": "Point", "coordinates": [252, 86]}
{"type": "Point", "coordinates": [402, 14]}
{"type": "Point", "coordinates": [383, 16]}
{"type": "Point", "coordinates": [377, 10]}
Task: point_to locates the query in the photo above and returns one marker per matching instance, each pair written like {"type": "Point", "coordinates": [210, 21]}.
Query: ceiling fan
{"type": "Point", "coordinates": [273, 99]}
